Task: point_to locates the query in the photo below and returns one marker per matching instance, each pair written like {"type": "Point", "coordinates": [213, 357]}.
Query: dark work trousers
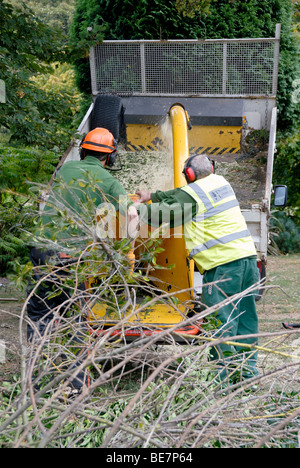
{"type": "Point", "coordinates": [40, 306]}
{"type": "Point", "coordinates": [237, 318]}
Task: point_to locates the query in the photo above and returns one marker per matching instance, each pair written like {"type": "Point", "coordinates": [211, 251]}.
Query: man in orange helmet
{"type": "Point", "coordinates": [76, 184]}
{"type": "Point", "coordinates": [98, 152]}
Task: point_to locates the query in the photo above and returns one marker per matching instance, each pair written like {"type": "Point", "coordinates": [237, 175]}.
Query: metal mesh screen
{"type": "Point", "coordinates": [176, 69]}
{"type": "Point", "coordinates": [116, 67]}
{"type": "Point", "coordinates": [249, 68]}
{"type": "Point", "coordinates": [242, 67]}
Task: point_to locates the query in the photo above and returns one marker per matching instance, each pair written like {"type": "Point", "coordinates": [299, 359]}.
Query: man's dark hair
{"type": "Point", "coordinates": [97, 154]}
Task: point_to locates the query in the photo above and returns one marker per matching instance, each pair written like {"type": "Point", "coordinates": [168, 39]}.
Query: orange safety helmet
{"type": "Point", "coordinates": [100, 140]}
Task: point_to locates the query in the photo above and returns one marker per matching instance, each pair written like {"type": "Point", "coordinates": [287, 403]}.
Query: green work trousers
{"type": "Point", "coordinates": [237, 318]}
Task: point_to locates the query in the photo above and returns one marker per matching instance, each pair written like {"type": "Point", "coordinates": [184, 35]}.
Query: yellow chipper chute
{"type": "Point", "coordinates": [177, 280]}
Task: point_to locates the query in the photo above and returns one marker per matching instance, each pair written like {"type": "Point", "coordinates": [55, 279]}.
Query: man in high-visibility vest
{"type": "Point", "coordinates": [218, 240]}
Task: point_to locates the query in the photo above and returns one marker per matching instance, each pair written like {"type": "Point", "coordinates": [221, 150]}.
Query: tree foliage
{"type": "Point", "coordinates": [32, 114]}
{"type": "Point", "coordinates": [285, 233]}
{"type": "Point", "coordinates": [55, 13]}
{"type": "Point", "coordinates": [287, 165]}
{"type": "Point", "coordinates": [18, 168]}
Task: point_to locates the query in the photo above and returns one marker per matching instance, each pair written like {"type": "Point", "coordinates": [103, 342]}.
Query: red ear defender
{"type": "Point", "coordinates": [189, 174]}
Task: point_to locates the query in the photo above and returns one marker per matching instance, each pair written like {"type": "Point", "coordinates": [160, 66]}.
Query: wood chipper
{"type": "Point", "coordinates": [177, 281]}
{"type": "Point", "coordinates": [226, 90]}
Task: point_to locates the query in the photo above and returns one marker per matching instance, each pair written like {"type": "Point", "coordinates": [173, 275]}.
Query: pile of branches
{"type": "Point", "coordinates": [151, 392]}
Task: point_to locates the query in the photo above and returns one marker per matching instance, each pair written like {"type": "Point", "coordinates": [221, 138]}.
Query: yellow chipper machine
{"type": "Point", "coordinates": [174, 275]}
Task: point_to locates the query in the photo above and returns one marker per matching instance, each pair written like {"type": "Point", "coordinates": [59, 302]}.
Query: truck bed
{"type": "Point", "coordinates": [153, 170]}
{"type": "Point", "coordinates": [246, 174]}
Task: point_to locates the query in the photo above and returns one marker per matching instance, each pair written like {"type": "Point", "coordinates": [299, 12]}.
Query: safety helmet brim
{"type": "Point", "coordinates": [99, 139]}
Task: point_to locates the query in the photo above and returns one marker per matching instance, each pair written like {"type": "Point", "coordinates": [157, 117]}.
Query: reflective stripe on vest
{"type": "Point", "coordinates": [222, 240]}
{"type": "Point", "coordinates": [201, 194]}
{"type": "Point", "coordinates": [216, 210]}
{"type": "Point", "coordinates": [218, 233]}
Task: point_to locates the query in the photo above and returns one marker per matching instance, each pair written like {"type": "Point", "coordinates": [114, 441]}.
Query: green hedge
{"type": "Point", "coordinates": [285, 233]}
{"type": "Point", "coordinates": [19, 169]}
{"type": "Point", "coordinates": [287, 165]}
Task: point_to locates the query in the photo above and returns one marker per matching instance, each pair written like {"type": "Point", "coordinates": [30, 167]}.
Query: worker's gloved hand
{"type": "Point", "coordinates": [143, 195]}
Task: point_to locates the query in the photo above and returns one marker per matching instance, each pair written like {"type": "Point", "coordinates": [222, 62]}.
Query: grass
{"type": "Point", "coordinates": [281, 303]}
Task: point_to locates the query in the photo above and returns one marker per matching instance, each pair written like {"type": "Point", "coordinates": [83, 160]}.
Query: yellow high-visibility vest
{"type": "Point", "coordinates": [218, 234]}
